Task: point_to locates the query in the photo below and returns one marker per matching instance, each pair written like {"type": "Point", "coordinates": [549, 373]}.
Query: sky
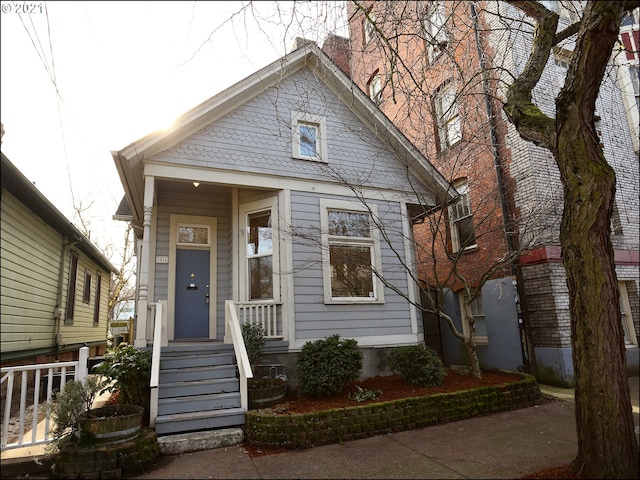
{"type": "Point", "coordinates": [79, 80]}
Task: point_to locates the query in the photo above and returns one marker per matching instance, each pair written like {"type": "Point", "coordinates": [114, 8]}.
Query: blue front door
{"type": "Point", "coordinates": [192, 294]}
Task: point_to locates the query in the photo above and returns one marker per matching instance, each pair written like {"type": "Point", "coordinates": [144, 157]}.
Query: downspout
{"type": "Point", "coordinates": [516, 275]}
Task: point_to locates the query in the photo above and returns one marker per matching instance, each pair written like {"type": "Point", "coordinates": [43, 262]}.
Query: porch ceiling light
{"type": "Point", "coordinates": [196, 184]}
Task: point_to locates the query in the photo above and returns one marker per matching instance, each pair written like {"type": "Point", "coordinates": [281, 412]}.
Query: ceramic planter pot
{"type": "Point", "coordinates": [112, 424]}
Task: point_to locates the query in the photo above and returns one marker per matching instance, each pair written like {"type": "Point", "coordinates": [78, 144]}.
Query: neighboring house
{"type": "Point", "coordinates": [54, 283]}
{"type": "Point", "coordinates": [269, 195]}
{"type": "Point", "coordinates": [511, 195]}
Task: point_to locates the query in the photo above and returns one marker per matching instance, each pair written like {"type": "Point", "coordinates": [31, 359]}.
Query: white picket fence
{"type": "Point", "coordinates": [31, 379]}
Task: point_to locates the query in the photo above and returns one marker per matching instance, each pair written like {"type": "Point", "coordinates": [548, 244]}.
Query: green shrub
{"type": "Point", "coordinates": [327, 366]}
{"type": "Point", "coordinates": [75, 399]}
{"type": "Point", "coordinates": [418, 365]}
{"type": "Point", "coordinates": [127, 370]}
{"type": "Point", "coordinates": [253, 336]}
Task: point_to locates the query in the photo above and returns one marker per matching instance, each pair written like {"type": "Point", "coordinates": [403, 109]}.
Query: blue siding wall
{"type": "Point", "coordinates": [314, 319]}
{"type": "Point", "coordinates": [503, 348]}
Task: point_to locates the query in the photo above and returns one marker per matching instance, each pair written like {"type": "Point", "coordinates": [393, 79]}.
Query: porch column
{"type": "Point", "coordinates": [145, 261]}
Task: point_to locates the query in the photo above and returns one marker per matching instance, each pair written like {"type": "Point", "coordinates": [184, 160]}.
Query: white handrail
{"type": "Point", "coordinates": [232, 325]}
{"type": "Point", "coordinates": [80, 372]}
{"type": "Point", "coordinates": [155, 364]}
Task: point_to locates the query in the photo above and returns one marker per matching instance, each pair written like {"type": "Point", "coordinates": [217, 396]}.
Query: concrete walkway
{"type": "Point", "coordinates": [505, 445]}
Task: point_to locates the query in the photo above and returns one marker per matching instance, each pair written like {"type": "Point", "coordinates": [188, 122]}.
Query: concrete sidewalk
{"type": "Point", "coordinates": [505, 445]}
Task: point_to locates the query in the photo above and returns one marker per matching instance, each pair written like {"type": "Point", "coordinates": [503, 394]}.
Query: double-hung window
{"type": "Point", "coordinates": [435, 31]}
{"type": "Point", "coordinates": [375, 88]}
{"type": "Point", "coordinates": [309, 136]}
{"type": "Point", "coordinates": [351, 254]}
{"type": "Point", "coordinates": [461, 220]}
{"type": "Point", "coordinates": [473, 309]}
{"type": "Point", "coordinates": [448, 120]}
{"type": "Point", "coordinates": [369, 28]}
{"type": "Point", "coordinates": [260, 255]}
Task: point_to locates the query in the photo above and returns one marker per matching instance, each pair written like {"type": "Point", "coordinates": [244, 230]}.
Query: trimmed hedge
{"type": "Point", "coordinates": [270, 430]}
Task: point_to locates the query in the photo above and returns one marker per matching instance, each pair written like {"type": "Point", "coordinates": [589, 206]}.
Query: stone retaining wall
{"type": "Point", "coordinates": [107, 461]}
{"type": "Point", "coordinates": [266, 429]}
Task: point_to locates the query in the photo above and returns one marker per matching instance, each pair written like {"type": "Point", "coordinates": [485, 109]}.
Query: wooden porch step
{"type": "Point", "coordinates": [197, 403]}
{"type": "Point", "coordinates": [194, 421]}
{"type": "Point", "coordinates": [170, 375]}
{"type": "Point", "coordinates": [195, 360]}
{"type": "Point", "coordinates": [198, 387]}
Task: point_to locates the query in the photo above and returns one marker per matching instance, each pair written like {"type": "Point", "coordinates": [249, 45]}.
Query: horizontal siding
{"type": "Point", "coordinates": [314, 319]}
{"type": "Point", "coordinates": [30, 258]}
{"type": "Point", "coordinates": [83, 329]}
{"type": "Point", "coordinates": [208, 201]}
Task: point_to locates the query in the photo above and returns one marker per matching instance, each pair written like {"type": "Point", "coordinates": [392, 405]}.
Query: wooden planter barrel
{"type": "Point", "coordinates": [111, 424]}
{"type": "Point", "coordinates": [265, 392]}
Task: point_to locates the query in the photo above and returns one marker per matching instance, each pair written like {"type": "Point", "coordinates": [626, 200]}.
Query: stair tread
{"type": "Point", "coordinates": [201, 414]}
{"type": "Point", "coordinates": [201, 397]}
{"type": "Point", "coordinates": [196, 368]}
{"type": "Point", "coordinates": [198, 382]}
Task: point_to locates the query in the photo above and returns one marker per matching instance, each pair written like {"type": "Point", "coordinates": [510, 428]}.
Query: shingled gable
{"type": "Point", "coordinates": [129, 160]}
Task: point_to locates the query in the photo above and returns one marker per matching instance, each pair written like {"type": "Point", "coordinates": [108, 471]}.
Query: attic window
{"type": "Point", "coordinates": [309, 137]}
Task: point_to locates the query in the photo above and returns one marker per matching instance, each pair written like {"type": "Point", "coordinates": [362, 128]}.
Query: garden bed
{"type": "Point", "coordinates": [281, 427]}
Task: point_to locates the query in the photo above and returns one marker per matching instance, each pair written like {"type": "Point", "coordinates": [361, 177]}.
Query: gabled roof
{"type": "Point", "coordinates": [20, 187]}
{"type": "Point", "coordinates": [129, 160]}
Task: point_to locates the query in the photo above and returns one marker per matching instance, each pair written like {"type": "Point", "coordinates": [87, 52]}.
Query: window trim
{"type": "Point", "coordinates": [193, 245]}
{"type": "Point", "coordinates": [86, 292]}
{"type": "Point", "coordinates": [447, 119]}
{"type": "Point", "coordinates": [480, 339]}
{"type": "Point", "coordinates": [626, 316]}
{"type": "Point", "coordinates": [245, 210]}
{"type": "Point", "coordinates": [462, 186]}
{"type": "Point", "coordinates": [74, 262]}
{"type": "Point", "coordinates": [438, 41]}
{"type": "Point", "coordinates": [317, 121]}
{"type": "Point", "coordinates": [96, 307]}
{"type": "Point", "coordinates": [369, 28]}
{"type": "Point", "coordinates": [374, 86]}
{"type": "Point", "coordinates": [373, 242]}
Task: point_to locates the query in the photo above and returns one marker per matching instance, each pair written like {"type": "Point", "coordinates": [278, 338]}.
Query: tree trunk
{"type": "Point", "coordinates": [607, 445]}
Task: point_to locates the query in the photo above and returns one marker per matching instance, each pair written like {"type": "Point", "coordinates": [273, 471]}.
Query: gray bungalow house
{"type": "Point", "coordinates": [283, 200]}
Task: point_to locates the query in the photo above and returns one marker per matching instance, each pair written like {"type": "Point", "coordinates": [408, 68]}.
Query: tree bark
{"type": "Point", "coordinates": [607, 445]}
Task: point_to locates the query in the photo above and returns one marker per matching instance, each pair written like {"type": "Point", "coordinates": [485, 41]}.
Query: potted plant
{"type": "Point", "coordinates": [127, 373]}
{"type": "Point", "coordinates": [264, 390]}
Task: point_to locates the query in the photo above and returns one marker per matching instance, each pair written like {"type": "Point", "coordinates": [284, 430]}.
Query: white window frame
{"type": "Point", "coordinates": [628, 72]}
{"type": "Point", "coordinates": [369, 28]}
{"type": "Point", "coordinates": [448, 119]}
{"type": "Point", "coordinates": [375, 88]}
{"type": "Point", "coordinates": [477, 310]}
{"type": "Point", "coordinates": [455, 217]}
{"type": "Point", "coordinates": [435, 31]}
{"type": "Point", "coordinates": [372, 242]}
{"type": "Point", "coordinates": [245, 211]}
{"type": "Point", "coordinates": [318, 122]}
{"type": "Point", "coordinates": [193, 245]}
{"type": "Point", "coordinates": [630, 339]}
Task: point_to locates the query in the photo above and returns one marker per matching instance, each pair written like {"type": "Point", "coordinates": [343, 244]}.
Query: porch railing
{"type": "Point", "coordinates": [233, 330]}
{"type": "Point", "coordinates": [39, 433]}
{"type": "Point", "coordinates": [263, 313]}
{"type": "Point", "coordinates": [159, 340]}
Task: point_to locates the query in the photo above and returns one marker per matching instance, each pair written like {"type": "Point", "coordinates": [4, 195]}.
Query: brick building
{"type": "Point", "coordinates": [442, 86]}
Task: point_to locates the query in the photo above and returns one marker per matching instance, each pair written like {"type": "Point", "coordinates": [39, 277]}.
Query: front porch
{"type": "Point", "coordinates": [202, 384]}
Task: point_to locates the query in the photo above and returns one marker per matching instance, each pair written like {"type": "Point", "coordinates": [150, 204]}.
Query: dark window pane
{"type": "Point", "coordinates": [351, 274]}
